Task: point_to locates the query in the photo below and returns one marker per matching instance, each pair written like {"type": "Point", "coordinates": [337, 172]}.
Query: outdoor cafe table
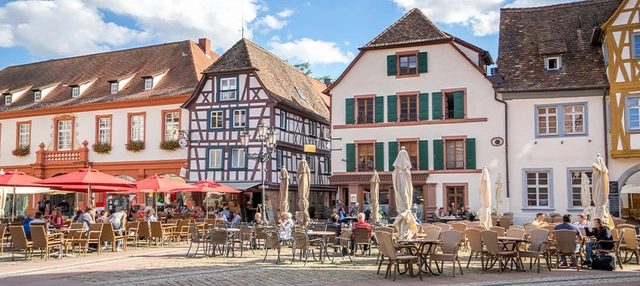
{"type": "Point", "coordinates": [506, 240]}
{"type": "Point", "coordinates": [324, 234]}
{"type": "Point", "coordinates": [424, 247]}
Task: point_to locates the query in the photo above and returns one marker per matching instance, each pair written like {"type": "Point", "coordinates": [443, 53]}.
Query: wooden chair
{"type": "Point", "coordinates": [76, 237]}
{"type": "Point", "coordinates": [109, 235]}
{"type": "Point", "coordinates": [272, 241]}
{"type": "Point", "coordinates": [494, 249]}
{"type": "Point", "coordinates": [19, 241]}
{"type": "Point", "coordinates": [566, 245]}
{"type": "Point", "coordinates": [45, 242]}
{"type": "Point", "coordinates": [131, 233]}
{"type": "Point", "coordinates": [94, 236]}
{"type": "Point", "coordinates": [385, 239]}
{"type": "Point", "coordinates": [198, 238]}
{"type": "Point", "coordinates": [450, 245]}
{"type": "Point", "coordinates": [144, 232]}
{"type": "Point", "coordinates": [160, 234]}
{"type": "Point", "coordinates": [181, 231]}
{"type": "Point", "coordinates": [539, 248]}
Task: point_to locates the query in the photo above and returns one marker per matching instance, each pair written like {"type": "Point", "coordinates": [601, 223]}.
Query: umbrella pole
{"type": "Point", "coordinates": [89, 199]}
{"type": "Point", "coordinates": [13, 204]}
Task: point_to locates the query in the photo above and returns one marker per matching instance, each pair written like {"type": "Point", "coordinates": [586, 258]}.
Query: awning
{"type": "Point", "coordinates": [240, 185]}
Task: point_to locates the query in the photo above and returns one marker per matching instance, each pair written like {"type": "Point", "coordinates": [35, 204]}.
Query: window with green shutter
{"type": "Point", "coordinates": [422, 62]}
{"type": "Point", "coordinates": [423, 102]}
{"type": "Point", "coordinates": [438, 154]}
{"type": "Point", "coordinates": [391, 65]}
{"type": "Point", "coordinates": [392, 108]}
{"type": "Point", "coordinates": [458, 104]}
{"type": "Point", "coordinates": [379, 156]}
{"type": "Point", "coordinates": [393, 153]}
{"type": "Point", "coordinates": [379, 109]}
{"type": "Point", "coordinates": [470, 150]}
{"type": "Point", "coordinates": [436, 100]}
{"type": "Point", "coordinates": [423, 153]}
{"type": "Point", "coordinates": [351, 157]}
{"type": "Point", "coordinates": [349, 109]}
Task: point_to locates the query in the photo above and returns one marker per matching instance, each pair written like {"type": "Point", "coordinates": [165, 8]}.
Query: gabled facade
{"type": "Point", "coordinates": [419, 88]}
{"type": "Point", "coordinates": [62, 115]}
{"type": "Point", "coordinates": [247, 86]}
{"type": "Point", "coordinates": [555, 88]}
{"type": "Point", "coordinates": [619, 38]}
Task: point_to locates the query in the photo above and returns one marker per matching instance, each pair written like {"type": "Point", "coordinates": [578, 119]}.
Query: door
{"type": "Point", "coordinates": [456, 195]}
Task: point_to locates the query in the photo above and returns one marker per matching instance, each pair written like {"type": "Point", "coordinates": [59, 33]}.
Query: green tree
{"type": "Point", "coordinates": [304, 67]}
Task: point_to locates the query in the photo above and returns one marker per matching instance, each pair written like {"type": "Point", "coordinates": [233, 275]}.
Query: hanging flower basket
{"type": "Point", "coordinates": [21, 151]}
{"type": "Point", "coordinates": [169, 145]}
{"type": "Point", "coordinates": [101, 148]}
{"type": "Point", "coordinates": [135, 146]}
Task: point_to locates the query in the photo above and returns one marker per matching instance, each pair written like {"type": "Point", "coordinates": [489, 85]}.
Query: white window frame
{"type": "Point", "coordinates": [37, 95]}
{"type": "Point", "coordinates": [64, 128]}
{"type": "Point", "coordinates": [311, 161]}
{"type": "Point", "coordinates": [104, 130]}
{"type": "Point", "coordinates": [632, 113]}
{"type": "Point", "coordinates": [215, 158]}
{"type": "Point", "coordinates": [137, 128]}
{"type": "Point", "coordinates": [561, 119]}
{"type": "Point", "coordinates": [24, 134]}
{"type": "Point", "coordinates": [547, 61]}
{"type": "Point", "coordinates": [239, 118]}
{"type": "Point", "coordinates": [114, 87]}
{"type": "Point", "coordinates": [75, 91]}
{"type": "Point", "coordinates": [228, 89]}
{"type": "Point", "coordinates": [635, 45]}
{"type": "Point", "coordinates": [538, 187]}
{"type": "Point", "coordinates": [576, 187]}
{"type": "Point", "coordinates": [171, 125]}
{"type": "Point", "coordinates": [238, 158]}
{"type": "Point", "coordinates": [7, 99]}
{"type": "Point", "coordinates": [148, 83]}
{"type": "Point", "coordinates": [218, 115]}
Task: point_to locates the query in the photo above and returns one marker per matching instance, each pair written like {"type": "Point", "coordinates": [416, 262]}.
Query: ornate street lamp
{"type": "Point", "coordinates": [268, 138]}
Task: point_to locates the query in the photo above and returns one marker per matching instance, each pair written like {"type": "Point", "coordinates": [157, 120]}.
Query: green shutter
{"type": "Point", "coordinates": [393, 153]}
{"type": "Point", "coordinates": [470, 145]}
{"type": "Point", "coordinates": [350, 108]}
{"type": "Point", "coordinates": [423, 152]}
{"type": "Point", "coordinates": [379, 156]}
{"type": "Point", "coordinates": [423, 99]}
{"type": "Point", "coordinates": [438, 155]}
{"type": "Point", "coordinates": [436, 100]}
{"type": "Point", "coordinates": [458, 104]}
{"type": "Point", "coordinates": [351, 157]}
{"type": "Point", "coordinates": [422, 62]}
{"type": "Point", "coordinates": [379, 109]}
{"type": "Point", "coordinates": [392, 108]}
{"type": "Point", "coordinates": [391, 65]}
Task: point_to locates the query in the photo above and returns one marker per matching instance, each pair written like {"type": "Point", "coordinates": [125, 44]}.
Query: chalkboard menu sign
{"type": "Point", "coordinates": [614, 199]}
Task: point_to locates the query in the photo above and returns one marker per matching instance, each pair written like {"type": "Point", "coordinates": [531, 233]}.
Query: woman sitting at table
{"type": "Point", "coordinates": [284, 228]}
{"type": "Point", "coordinates": [221, 219]}
{"type": "Point", "coordinates": [119, 221]}
{"type": "Point", "coordinates": [56, 219]}
{"type": "Point", "coordinates": [341, 215]}
{"type": "Point", "coordinates": [150, 215]}
{"type": "Point", "coordinates": [602, 233]}
{"type": "Point", "coordinates": [198, 213]}
{"type": "Point", "coordinates": [236, 219]}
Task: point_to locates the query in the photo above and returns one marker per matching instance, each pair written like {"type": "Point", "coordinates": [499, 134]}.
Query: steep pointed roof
{"type": "Point", "coordinates": [286, 84]}
{"type": "Point", "coordinates": [413, 27]}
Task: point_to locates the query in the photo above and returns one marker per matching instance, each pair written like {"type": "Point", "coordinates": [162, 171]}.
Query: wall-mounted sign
{"type": "Point", "coordinates": [309, 148]}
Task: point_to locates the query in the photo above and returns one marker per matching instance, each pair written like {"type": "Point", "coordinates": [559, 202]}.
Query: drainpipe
{"type": "Point", "coordinates": [606, 126]}
{"type": "Point", "coordinates": [506, 138]}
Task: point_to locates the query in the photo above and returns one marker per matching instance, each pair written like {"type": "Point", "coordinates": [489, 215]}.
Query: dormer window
{"type": "Point", "coordinates": [300, 94]}
{"type": "Point", "coordinates": [114, 87]}
{"type": "Point", "coordinates": [7, 99]}
{"type": "Point", "coordinates": [553, 63]}
{"type": "Point", "coordinates": [148, 83]}
{"type": "Point", "coordinates": [75, 91]}
{"type": "Point", "coordinates": [37, 95]}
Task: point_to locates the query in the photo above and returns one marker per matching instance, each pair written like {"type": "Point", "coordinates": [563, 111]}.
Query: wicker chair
{"type": "Point", "coordinates": [389, 253]}
{"type": "Point", "coordinates": [144, 232]}
{"type": "Point", "coordinates": [506, 222]}
{"type": "Point", "coordinates": [475, 242]}
{"type": "Point", "coordinates": [539, 248]}
{"type": "Point", "coordinates": [566, 245]}
{"type": "Point", "coordinates": [221, 242]}
{"type": "Point", "coordinates": [260, 234]}
{"type": "Point", "coordinates": [94, 236]}
{"type": "Point", "coordinates": [3, 230]}
{"type": "Point", "coordinates": [198, 238]}
{"type": "Point", "coordinates": [131, 233]}
{"type": "Point", "coordinates": [45, 242]}
{"type": "Point", "coordinates": [362, 238]}
{"type": "Point", "coordinates": [629, 245]}
{"type": "Point", "coordinates": [181, 231]}
{"type": "Point", "coordinates": [450, 245]}
{"type": "Point", "coordinates": [160, 234]}
{"type": "Point", "coordinates": [494, 249]}
{"type": "Point", "coordinates": [76, 238]}
{"type": "Point", "coordinates": [498, 229]}
{"type": "Point", "coordinates": [272, 241]}
{"type": "Point", "coordinates": [515, 232]}
{"type": "Point", "coordinates": [109, 234]}
{"type": "Point", "coordinates": [19, 241]}
{"type": "Point", "coordinates": [344, 242]}
{"type": "Point", "coordinates": [301, 242]}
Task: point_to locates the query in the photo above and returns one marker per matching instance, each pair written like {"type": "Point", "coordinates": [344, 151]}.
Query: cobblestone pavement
{"type": "Point", "coordinates": [169, 266]}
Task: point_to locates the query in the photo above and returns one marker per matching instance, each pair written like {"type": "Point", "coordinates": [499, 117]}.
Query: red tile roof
{"type": "Point", "coordinates": [413, 27]}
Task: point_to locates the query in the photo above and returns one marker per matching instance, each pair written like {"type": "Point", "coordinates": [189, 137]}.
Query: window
{"type": "Point", "coordinates": [408, 65]}
{"type": "Point", "coordinates": [216, 119]}
{"type": "Point", "coordinates": [538, 184]}
{"type": "Point", "coordinates": [300, 94]}
{"type": "Point", "coordinates": [633, 113]}
{"type": "Point", "coordinates": [148, 83]}
{"type": "Point", "coordinates": [238, 158]}
{"type": "Point", "coordinates": [456, 195]}
{"type": "Point", "coordinates": [553, 63]}
{"type": "Point", "coordinates": [313, 128]}
{"type": "Point", "coordinates": [412, 149]}
{"type": "Point", "coordinates": [104, 129]}
{"type": "Point", "coordinates": [214, 159]}
{"type": "Point", "coordinates": [7, 99]}
{"type": "Point", "coordinates": [636, 45]}
{"type": "Point", "coordinates": [136, 125]}
{"type": "Point", "coordinates": [366, 161]}
{"type": "Point", "coordinates": [454, 154]}
{"type": "Point", "coordinates": [37, 95]}
{"type": "Point", "coordinates": [408, 108]}
{"type": "Point", "coordinates": [279, 159]}
{"type": "Point", "coordinates": [561, 120]}
{"type": "Point", "coordinates": [575, 186]}
{"type": "Point", "coordinates": [75, 91]}
{"type": "Point", "coordinates": [24, 134]}
{"type": "Point", "coordinates": [227, 88]}
{"type": "Point", "coordinates": [239, 119]}
{"type": "Point", "coordinates": [284, 119]}
{"type": "Point", "coordinates": [326, 132]}
{"type": "Point", "coordinates": [114, 87]}
{"type": "Point", "coordinates": [171, 125]}
{"type": "Point", "coordinates": [311, 160]}
{"type": "Point", "coordinates": [327, 165]}
{"type": "Point", "coordinates": [64, 134]}
{"type": "Point", "coordinates": [365, 110]}
{"type": "Point", "coordinates": [605, 53]}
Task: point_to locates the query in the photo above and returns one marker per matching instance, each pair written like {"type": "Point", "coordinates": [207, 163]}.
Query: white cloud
{"type": "Point", "coordinates": [271, 22]}
{"type": "Point", "coordinates": [309, 50]}
{"type": "Point", "coordinates": [482, 17]}
{"type": "Point", "coordinates": [346, 43]}
{"type": "Point", "coordinates": [285, 13]}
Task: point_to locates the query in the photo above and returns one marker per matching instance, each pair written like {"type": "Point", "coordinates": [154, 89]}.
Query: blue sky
{"type": "Point", "coordinates": [325, 33]}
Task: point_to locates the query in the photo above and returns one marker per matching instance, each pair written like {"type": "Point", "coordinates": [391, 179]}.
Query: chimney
{"type": "Point", "coordinates": [327, 82]}
{"type": "Point", "coordinates": [205, 45]}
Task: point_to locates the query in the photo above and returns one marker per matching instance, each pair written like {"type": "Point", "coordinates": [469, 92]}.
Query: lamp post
{"type": "Point", "coordinates": [268, 138]}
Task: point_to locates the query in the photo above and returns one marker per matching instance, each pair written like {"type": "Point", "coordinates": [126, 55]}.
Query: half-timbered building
{"type": "Point", "coordinates": [416, 87]}
{"type": "Point", "coordinates": [118, 112]}
{"type": "Point", "coordinates": [247, 86]}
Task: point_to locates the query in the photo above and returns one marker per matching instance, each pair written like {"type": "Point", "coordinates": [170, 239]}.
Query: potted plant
{"type": "Point", "coordinates": [22, 150]}
{"type": "Point", "coordinates": [169, 145]}
{"type": "Point", "coordinates": [101, 147]}
{"type": "Point", "coordinates": [135, 145]}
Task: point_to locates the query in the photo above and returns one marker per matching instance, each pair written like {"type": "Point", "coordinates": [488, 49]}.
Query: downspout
{"type": "Point", "coordinates": [606, 126]}
{"type": "Point", "coordinates": [506, 138]}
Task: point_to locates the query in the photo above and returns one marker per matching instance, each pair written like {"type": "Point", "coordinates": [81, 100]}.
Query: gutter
{"type": "Point", "coordinates": [496, 85]}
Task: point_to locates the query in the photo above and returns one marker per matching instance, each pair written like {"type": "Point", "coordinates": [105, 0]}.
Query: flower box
{"type": "Point", "coordinates": [135, 145]}
{"type": "Point", "coordinates": [101, 147]}
{"type": "Point", "coordinates": [169, 145]}
{"type": "Point", "coordinates": [21, 151]}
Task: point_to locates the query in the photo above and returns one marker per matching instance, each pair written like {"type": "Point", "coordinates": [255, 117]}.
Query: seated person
{"type": "Point", "coordinates": [77, 216]}
{"type": "Point", "coordinates": [341, 214]}
{"type": "Point", "coordinates": [257, 219]}
{"type": "Point", "coordinates": [236, 219]}
{"type": "Point", "coordinates": [141, 212]}
{"type": "Point", "coordinates": [225, 211]}
{"type": "Point", "coordinates": [566, 224]}
{"type": "Point", "coordinates": [221, 219]}
{"type": "Point", "coordinates": [367, 214]}
{"type": "Point", "coordinates": [602, 233]}
{"type": "Point", "coordinates": [150, 215]}
{"type": "Point", "coordinates": [56, 219]}
{"type": "Point", "coordinates": [539, 221]}
{"type": "Point", "coordinates": [284, 227]}
{"type": "Point", "coordinates": [333, 223]}
{"type": "Point", "coordinates": [87, 218]}
{"type": "Point", "coordinates": [361, 224]}
{"type": "Point", "coordinates": [442, 212]}
{"type": "Point", "coordinates": [198, 213]}
{"type": "Point", "coordinates": [437, 215]}
{"type": "Point", "coordinates": [25, 224]}
{"type": "Point", "coordinates": [582, 221]}
{"type": "Point", "coordinates": [468, 214]}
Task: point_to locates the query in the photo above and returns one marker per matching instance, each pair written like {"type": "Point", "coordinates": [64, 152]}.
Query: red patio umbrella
{"type": "Point", "coordinates": [207, 186]}
{"type": "Point", "coordinates": [86, 179]}
{"type": "Point", "coordinates": [17, 179]}
{"type": "Point", "coordinates": [159, 184]}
